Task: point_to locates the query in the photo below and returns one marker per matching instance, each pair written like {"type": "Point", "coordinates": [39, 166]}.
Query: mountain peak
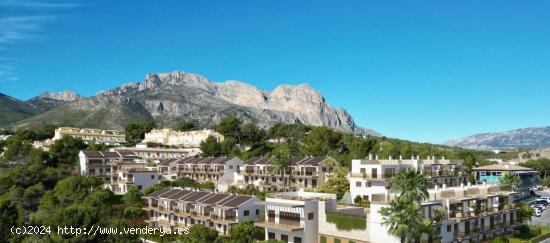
{"type": "Point", "coordinates": [519, 138]}
{"type": "Point", "coordinates": [65, 95]}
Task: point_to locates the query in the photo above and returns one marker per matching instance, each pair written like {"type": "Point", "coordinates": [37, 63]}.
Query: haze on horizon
{"type": "Point", "coordinates": [424, 71]}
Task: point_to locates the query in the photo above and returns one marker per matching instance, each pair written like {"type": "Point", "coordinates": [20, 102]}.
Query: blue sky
{"type": "Point", "coordinates": [420, 70]}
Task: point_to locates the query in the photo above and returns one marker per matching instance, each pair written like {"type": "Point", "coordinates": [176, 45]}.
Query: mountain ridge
{"type": "Point", "coordinates": [530, 137]}
{"type": "Point", "coordinates": [167, 98]}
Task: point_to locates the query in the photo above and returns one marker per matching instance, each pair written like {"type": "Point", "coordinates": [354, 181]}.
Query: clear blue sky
{"type": "Point", "coordinates": [419, 70]}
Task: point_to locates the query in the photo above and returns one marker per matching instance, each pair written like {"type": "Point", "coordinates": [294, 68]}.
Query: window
{"type": "Point", "coordinates": [357, 184]}
{"type": "Point", "coordinates": [246, 212]}
{"type": "Point", "coordinates": [271, 235]}
{"type": "Point", "coordinates": [284, 238]}
{"type": "Point", "coordinates": [336, 240]}
{"type": "Point", "coordinates": [322, 239]}
{"type": "Point", "coordinates": [230, 167]}
{"type": "Point", "coordinates": [152, 177]}
{"type": "Point", "coordinates": [139, 187]}
{"type": "Point", "coordinates": [449, 228]}
{"type": "Point", "coordinates": [257, 212]}
{"type": "Point", "coordinates": [297, 240]}
{"type": "Point", "coordinates": [363, 170]}
{"type": "Point", "coordinates": [310, 216]}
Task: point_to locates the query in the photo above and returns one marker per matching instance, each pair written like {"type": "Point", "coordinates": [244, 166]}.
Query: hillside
{"type": "Point", "coordinates": [13, 110]}
{"type": "Point", "coordinates": [168, 98]}
{"type": "Point", "coordinates": [519, 138]}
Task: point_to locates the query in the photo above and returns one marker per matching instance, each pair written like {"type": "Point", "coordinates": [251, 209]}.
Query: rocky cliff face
{"type": "Point", "coordinates": [519, 138]}
{"type": "Point", "coordinates": [168, 98]}
{"type": "Point", "coordinates": [49, 100]}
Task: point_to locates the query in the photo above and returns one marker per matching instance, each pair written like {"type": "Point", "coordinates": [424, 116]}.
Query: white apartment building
{"type": "Point", "coordinates": [470, 213]}
{"type": "Point", "coordinates": [98, 164]}
{"type": "Point", "coordinates": [371, 176]}
{"type": "Point", "coordinates": [125, 175]}
{"type": "Point", "coordinates": [304, 173]}
{"type": "Point", "coordinates": [188, 139]}
{"type": "Point", "coordinates": [178, 208]}
{"type": "Point", "coordinates": [89, 135]}
{"type": "Point", "coordinates": [294, 216]}
{"type": "Point", "coordinates": [156, 154]}
{"type": "Point", "coordinates": [201, 169]}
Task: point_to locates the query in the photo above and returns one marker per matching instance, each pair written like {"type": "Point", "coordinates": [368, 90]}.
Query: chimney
{"type": "Point", "coordinates": [400, 157]}
{"type": "Point", "coordinates": [417, 157]}
{"type": "Point", "coordinates": [390, 157]}
{"type": "Point", "coordinates": [443, 157]}
{"type": "Point", "coordinates": [461, 184]}
{"type": "Point", "coordinates": [469, 184]}
{"type": "Point", "coordinates": [444, 186]}
{"type": "Point", "coordinates": [436, 187]}
{"type": "Point", "coordinates": [370, 156]}
{"type": "Point", "coordinates": [377, 157]}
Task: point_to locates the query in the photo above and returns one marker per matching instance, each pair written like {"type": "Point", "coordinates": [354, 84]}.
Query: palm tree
{"type": "Point", "coordinates": [411, 185]}
{"type": "Point", "coordinates": [510, 180]}
{"type": "Point", "coordinates": [404, 220]}
{"type": "Point", "coordinates": [281, 158]}
{"type": "Point", "coordinates": [404, 216]}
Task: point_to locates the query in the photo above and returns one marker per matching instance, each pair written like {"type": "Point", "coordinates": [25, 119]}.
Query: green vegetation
{"type": "Point", "coordinates": [404, 216]}
{"type": "Point", "coordinates": [185, 126]}
{"type": "Point", "coordinates": [245, 232]}
{"type": "Point", "coordinates": [510, 180]}
{"type": "Point", "coordinates": [337, 183]}
{"type": "Point", "coordinates": [347, 222]}
{"type": "Point", "coordinates": [281, 159]}
{"type": "Point", "coordinates": [135, 132]}
{"type": "Point", "coordinates": [531, 234]}
{"type": "Point", "coordinates": [180, 182]}
{"type": "Point", "coordinates": [247, 191]}
{"type": "Point", "coordinates": [541, 165]}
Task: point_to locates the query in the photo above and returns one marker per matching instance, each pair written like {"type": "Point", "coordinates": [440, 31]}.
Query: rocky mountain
{"type": "Point", "coordinates": [13, 110]}
{"type": "Point", "coordinates": [49, 100]}
{"type": "Point", "coordinates": [519, 138]}
{"type": "Point", "coordinates": [168, 98]}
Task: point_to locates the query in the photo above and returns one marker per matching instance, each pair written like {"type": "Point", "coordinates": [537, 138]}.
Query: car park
{"type": "Point", "coordinates": [543, 202]}
{"type": "Point", "coordinates": [547, 199]}
{"type": "Point", "coordinates": [537, 213]}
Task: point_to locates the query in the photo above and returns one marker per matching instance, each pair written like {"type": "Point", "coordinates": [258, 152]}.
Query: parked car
{"type": "Point", "coordinates": [536, 188]}
{"type": "Point", "coordinates": [538, 206]}
{"type": "Point", "coordinates": [537, 213]}
{"type": "Point", "coordinates": [540, 201]}
{"type": "Point", "coordinates": [547, 199]}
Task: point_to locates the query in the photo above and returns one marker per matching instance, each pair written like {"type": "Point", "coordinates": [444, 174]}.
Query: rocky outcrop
{"type": "Point", "coordinates": [168, 98]}
{"type": "Point", "coordinates": [519, 138]}
{"type": "Point", "coordinates": [49, 100]}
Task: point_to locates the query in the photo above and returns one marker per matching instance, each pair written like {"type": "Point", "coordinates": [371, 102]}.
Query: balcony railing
{"type": "Point", "coordinates": [372, 176]}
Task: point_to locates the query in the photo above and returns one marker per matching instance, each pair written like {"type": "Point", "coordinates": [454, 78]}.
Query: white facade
{"type": "Point", "coordinates": [155, 154]}
{"type": "Point", "coordinates": [371, 176]}
{"type": "Point", "coordinates": [89, 135]}
{"type": "Point", "coordinates": [178, 208]}
{"type": "Point", "coordinates": [294, 216]}
{"type": "Point", "coordinates": [188, 139]}
{"type": "Point", "coordinates": [125, 175]}
{"type": "Point", "coordinates": [470, 213]}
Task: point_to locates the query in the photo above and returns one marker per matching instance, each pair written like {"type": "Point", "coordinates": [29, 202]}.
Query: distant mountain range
{"type": "Point", "coordinates": [520, 138]}
{"type": "Point", "coordinates": [168, 98]}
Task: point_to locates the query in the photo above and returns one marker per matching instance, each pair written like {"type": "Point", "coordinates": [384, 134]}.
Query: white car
{"type": "Point", "coordinates": [544, 198]}
{"type": "Point", "coordinates": [536, 188]}
{"type": "Point", "coordinates": [537, 213]}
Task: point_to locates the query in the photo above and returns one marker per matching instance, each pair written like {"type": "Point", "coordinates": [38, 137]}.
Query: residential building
{"type": "Point", "coordinates": [125, 175]}
{"type": "Point", "coordinates": [89, 135]}
{"type": "Point", "coordinates": [201, 169]}
{"type": "Point", "coordinates": [179, 208]}
{"type": "Point", "coordinates": [98, 164]}
{"type": "Point", "coordinates": [304, 173]}
{"type": "Point", "coordinates": [156, 154]}
{"type": "Point", "coordinates": [372, 175]}
{"type": "Point", "coordinates": [460, 214]}
{"type": "Point", "coordinates": [491, 174]}
{"type": "Point", "coordinates": [187, 139]}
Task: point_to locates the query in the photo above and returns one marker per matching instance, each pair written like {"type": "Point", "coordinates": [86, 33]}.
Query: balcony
{"type": "Point", "coordinates": [372, 176]}
{"type": "Point", "coordinates": [465, 235]}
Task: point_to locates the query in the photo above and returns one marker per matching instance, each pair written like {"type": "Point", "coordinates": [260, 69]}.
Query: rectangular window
{"type": "Point", "coordinates": [449, 228]}
{"type": "Point", "coordinates": [322, 239]}
{"type": "Point", "coordinates": [284, 238]}
{"type": "Point", "coordinates": [357, 184]}
{"type": "Point", "coordinates": [363, 170]}
{"type": "Point", "coordinates": [297, 240]}
{"type": "Point", "coordinates": [271, 235]}
{"type": "Point", "coordinates": [310, 216]}
{"type": "Point", "coordinates": [152, 177]}
{"type": "Point", "coordinates": [257, 212]}
{"type": "Point", "coordinates": [246, 212]}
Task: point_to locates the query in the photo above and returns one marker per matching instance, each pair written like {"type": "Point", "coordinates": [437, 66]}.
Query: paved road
{"type": "Point", "coordinates": [545, 217]}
